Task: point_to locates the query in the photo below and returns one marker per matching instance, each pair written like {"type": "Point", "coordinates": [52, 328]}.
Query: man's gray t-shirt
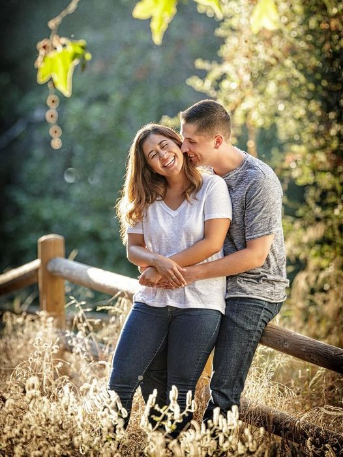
{"type": "Point", "coordinates": [256, 196]}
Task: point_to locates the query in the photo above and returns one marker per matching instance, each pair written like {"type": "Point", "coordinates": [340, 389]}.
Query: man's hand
{"type": "Point", "coordinates": [190, 274]}
{"type": "Point", "coordinates": [149, 277]}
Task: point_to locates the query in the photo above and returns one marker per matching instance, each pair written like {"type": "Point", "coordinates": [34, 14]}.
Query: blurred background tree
{"type": "Point", "coordinates": [283, 87]}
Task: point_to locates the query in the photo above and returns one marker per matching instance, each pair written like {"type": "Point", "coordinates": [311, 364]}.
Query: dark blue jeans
{"type": "Point", "coordinates": [185, 337]}
{"type": "Point", "coordinates": [240, 332]}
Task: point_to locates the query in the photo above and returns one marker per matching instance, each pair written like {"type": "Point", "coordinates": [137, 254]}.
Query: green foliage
{"type": "Point", "coordinates": [59, 65]}
{"type": "Point", "coordinates": [215, 6]}
{"type": "Point", "coordinates": [265, 15]}
{"type": "Point", "coordinates": [162, 12]}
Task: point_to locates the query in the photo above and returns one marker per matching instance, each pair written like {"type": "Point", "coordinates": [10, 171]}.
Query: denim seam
{"type": "Point", "coordinates": [156, 352]}
{"type": "Point", "coordinates": [206, 347]}
{"type": "Point", "coordinates": [140, 381]}
{"type": "Point", "coordinates": [246, 354]}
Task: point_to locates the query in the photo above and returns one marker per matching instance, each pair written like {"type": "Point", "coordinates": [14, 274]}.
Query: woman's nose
{"type": "Point", "coordinates": [162, 154]}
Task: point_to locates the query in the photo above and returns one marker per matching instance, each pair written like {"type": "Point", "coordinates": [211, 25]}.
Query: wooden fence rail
{"type": "Point", "coordinates": [51, 269]}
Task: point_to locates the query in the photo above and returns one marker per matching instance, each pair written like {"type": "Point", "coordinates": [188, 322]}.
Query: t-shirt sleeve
{"type": "Point", "coordinates": [138, 228]}
{"type": "Point", "coordinates": [217, 201]}
{"type": "Point", "coordinates": [263, 208]}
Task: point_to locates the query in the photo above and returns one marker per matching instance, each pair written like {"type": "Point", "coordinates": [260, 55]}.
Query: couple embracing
{"type": "Point", "coordinates": [210, 248]}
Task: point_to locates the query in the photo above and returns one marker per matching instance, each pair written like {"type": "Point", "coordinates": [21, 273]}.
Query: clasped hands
{"type": "Point", "coordinates": [165, 274]}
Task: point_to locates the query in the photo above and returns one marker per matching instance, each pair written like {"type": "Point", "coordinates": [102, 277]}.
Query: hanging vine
{"type": "Point", "coordinates": [56, 61]}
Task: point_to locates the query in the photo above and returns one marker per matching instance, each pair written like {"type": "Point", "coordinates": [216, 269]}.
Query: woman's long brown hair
{"type": "Point", "coordinates": [142, 186]}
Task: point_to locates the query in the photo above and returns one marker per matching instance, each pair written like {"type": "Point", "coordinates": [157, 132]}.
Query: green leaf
{"type": "Point", "coordinates": [265, 15]}
{"type": "Point", "coordinates": [161, 13]}
{"type": "Point", "coordinates": [59, 65]}
{"type": "Point", "coordinates": [215, 5]}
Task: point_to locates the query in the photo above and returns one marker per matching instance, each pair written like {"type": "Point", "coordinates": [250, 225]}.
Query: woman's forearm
{"type": "Point", "coordinates": [200, 251]}
{"type": "Point", "coordinates": [141, 256]}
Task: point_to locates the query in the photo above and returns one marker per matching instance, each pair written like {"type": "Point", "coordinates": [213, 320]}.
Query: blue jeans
{"type": "Point", "coordinates": [185, 337]}
{"type": "Point", "coordinates": [240, 332]}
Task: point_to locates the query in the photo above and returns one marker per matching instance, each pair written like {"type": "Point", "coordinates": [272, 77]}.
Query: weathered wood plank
{"type": "Point", "coordinates": [20, 277]}
{"type": "Point", "coordinates": [51, 287]}
{"type": "Point", "coordinates": [290, 428]}
{"type": "Point", "coordinates": [94, 278]}
{"type": "Point", "coordinates": [303, 347]}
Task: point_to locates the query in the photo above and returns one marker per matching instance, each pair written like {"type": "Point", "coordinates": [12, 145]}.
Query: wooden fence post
{"type": "Point", "coordinates": [51, 288]}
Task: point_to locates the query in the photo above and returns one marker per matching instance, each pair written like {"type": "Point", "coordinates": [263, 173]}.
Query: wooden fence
{"type": "Point", "coordinates": [52, 268]}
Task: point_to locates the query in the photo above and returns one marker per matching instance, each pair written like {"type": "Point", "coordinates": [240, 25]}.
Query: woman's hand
{"type": "Point", "coordinates": [166, 270]}
{"type": "Point", "coordinates": [150, 277]}
{"type": "Point", "coordinates": [170, 271]}
{"type": "Point", "coordinates": [138, 254]}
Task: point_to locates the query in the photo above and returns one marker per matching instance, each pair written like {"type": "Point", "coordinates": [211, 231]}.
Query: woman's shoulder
{"type": "Point", "coordinates": [210, 179]}
{"type": "Point", "coordinates": [212, 185]}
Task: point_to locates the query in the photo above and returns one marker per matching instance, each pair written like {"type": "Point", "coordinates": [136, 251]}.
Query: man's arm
{"type": "Point", "coordinates": [253, 256]}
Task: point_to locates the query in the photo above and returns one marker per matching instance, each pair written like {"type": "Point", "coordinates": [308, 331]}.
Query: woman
{"type": "Point", "coordinates": [172, 216]}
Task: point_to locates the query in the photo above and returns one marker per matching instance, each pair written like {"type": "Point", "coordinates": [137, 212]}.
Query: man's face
{"type": "Point", "coordinates": [199, 147]}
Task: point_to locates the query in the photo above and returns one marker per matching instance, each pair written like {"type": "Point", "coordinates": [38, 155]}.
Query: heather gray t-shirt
{"type": "Point", "coordinates": [256, 196]}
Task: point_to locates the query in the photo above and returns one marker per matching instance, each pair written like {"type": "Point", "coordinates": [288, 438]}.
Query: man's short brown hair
{"type": "Point", "coordinates": [210, 117]}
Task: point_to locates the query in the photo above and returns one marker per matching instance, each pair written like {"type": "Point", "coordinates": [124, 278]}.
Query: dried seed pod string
{"type": "Point", "coordinates": [54, 55]}
{"type": "Point", "coordinates": [51, 117]}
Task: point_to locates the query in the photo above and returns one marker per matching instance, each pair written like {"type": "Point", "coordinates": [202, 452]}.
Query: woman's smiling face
{"type": "Point", "coordinates": [163, 155]}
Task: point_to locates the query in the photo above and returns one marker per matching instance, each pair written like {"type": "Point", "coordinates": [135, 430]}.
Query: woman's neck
{"type": "Point", "coordinates": [176, 184]}
{"type": "Point", "coordinates": [175, 196]}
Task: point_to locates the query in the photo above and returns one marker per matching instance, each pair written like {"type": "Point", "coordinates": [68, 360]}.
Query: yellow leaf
{"type": "Point", "coordinates": [144, 9]}
{"type": "Point", "coordinates": [161, 13]}
{"type": "Point", "coordinates": [59, 66]}
{"type": "Point", "coordinates": [215, 5]}
{"type": "Point", "coordinates": [265, 15]}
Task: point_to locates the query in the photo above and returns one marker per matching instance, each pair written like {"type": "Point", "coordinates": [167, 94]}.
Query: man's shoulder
{"type": "Point", "coordinates": [259, 171]}
{"type": "Point", "coordinates": [257, 165]}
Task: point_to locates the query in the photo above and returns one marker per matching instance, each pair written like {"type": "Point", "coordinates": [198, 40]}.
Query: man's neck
{"type": "Point", "coordinates": [229, 159]}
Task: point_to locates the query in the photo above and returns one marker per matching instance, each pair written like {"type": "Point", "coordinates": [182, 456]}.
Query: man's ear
{"type": "Point", "coordinates": [218, 141]}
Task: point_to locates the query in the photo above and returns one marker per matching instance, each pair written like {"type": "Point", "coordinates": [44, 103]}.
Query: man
{"type": "Point", "coordinates": [254, 259]}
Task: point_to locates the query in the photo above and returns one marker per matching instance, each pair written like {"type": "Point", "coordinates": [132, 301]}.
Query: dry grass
{"type": "Point", "coordinates": [54, 402]}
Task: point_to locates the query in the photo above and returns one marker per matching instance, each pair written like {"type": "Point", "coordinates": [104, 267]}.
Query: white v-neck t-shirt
{"type": "Point", "coordinates": [168, 232]}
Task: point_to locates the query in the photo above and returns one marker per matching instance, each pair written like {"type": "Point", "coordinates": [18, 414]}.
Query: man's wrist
{"type": "Point", "coordinates": [196, 273]}
{"type": "Point", "coordinates": [191, 274]}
